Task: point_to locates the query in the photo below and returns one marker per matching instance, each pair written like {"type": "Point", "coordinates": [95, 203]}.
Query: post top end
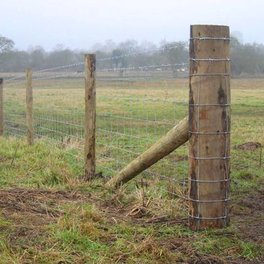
{"type": "Point", "coordinates": [210, 31]}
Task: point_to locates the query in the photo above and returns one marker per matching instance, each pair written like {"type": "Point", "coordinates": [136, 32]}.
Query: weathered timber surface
{"type": "Point", "coordinates": [176, 137]}
{"type": "Point", "coordinates": [90, 115]}
{"type": "Point", "coordinates": [1, 107]}
{"type": "Point", "coordinates": [209, 121]}
{"type": "Point", "coordinates": [29, 102]}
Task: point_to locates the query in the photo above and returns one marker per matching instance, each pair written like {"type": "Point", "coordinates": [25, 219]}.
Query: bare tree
{"type": "Point", "coordinates": [6, 44]}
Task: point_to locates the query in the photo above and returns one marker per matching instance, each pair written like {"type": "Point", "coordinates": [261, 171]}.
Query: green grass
{"type": "Point", "coordinates": [99, 226]}
{"type": "Point", "coordinates": [88, 232]}
{"type": "Point", "coordinates": [211, 243]}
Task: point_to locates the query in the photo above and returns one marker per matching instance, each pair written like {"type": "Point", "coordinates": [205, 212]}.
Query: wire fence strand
{"type": "Point", "coordinates": [136, 106]}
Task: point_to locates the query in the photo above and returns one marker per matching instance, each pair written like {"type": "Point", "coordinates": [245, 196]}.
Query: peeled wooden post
{"type": "Point", "coordinates": [209, 123]}
{"type": "Point", "coordinates": [1, 107]}
{"type": "Point", "coordinates": [176, 137]}
{"type": "Point", "coordinates": [90, 115]}
{"type": "Point", "coordinates": [29, 103]}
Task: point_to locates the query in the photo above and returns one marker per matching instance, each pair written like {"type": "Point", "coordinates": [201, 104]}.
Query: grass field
{"type": "Point", "coordinates": [49, 215]}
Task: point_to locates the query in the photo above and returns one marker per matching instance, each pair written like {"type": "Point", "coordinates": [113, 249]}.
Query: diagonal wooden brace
{"type": "Point", "coordinates": [176, 137]}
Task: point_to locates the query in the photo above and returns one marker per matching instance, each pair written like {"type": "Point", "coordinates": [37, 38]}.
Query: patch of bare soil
{"type": "Point", "coordinates": [183, 246]}
{"type": "Point", "coordinates": [41, 202]}
{"type": "Point", "coordinates": [3, 159]}
{"type": "Point", "coordinates": [205, 259]}
{"type": "Point", "coordinates": [138, 213]}
{"type": "Point", "coordinates": [249, 146]}
{"type": "Point", "coordinates": [31, 210]}
{"type": "Point", "coordinates": [248, 214]}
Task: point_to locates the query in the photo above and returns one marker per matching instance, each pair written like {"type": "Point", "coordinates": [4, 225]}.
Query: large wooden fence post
{"type": "Point", "coordinates": [90, 115]}
{"type": "Point", "coordinates": [209, 125]}
{"type": "Point", "coordinates": [1, 107]}
{"type": "Point", "coordinates": [29, 103]}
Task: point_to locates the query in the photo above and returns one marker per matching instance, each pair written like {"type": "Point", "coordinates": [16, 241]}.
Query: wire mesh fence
{"type": "Point", "coordinates": [15, 106]}
{"type": "Point", "coordinates": [247, 128]}
{"type": "Point", "coordinates": [136, 105]}
{"type": "Point", "coordinates": [58, 106]}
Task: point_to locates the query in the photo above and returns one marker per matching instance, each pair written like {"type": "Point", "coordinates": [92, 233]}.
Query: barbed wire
{"type": "Point", "coordinates": [145, 67]}
{"type": "Point", "coordinates": [59, 67]}
{"type": "Point", "coordinates": [133, 53]}
{"type": "Point", "coordinates": [15, 78]}
{"type": "Point", "coordinates": [111, 58]}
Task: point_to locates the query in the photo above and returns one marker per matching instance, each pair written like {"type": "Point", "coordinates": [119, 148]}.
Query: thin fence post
{"type": "Point", "coordinates": [29, 103]}
{"type": "Point", "coordinates": [1, 107]}
{"type": "Point", "coordinates": [209, 126]}
{"type": "Point", "coordinates": [90, 115]}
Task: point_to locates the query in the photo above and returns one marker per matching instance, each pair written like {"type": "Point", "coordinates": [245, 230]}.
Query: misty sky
{"type": "Point", "coordinates": [78, 24]}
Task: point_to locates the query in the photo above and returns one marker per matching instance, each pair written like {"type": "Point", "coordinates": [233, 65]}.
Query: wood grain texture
{"type": "Point", "coordinates": [29, 106]}
{"type": "Point", "coordinates": [1, 107]}
{"type": "Point", "coordinates": [176, 137]}
{"type": "Point", "coordinates": [209, 123]}
{"type": "Point", "coordinates": [90, 115]}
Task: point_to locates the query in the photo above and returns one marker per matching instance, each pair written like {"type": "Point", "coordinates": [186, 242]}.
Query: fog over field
{"type": "Point", "coordinates": [80, 24]}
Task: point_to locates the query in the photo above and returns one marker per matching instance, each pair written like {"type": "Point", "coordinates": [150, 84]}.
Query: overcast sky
{"type": "Point", "coordinates": [78, 24]}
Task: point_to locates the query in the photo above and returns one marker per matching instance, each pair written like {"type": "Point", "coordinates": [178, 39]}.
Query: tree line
{"type": "Point", "coordinates": [245, 58]}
